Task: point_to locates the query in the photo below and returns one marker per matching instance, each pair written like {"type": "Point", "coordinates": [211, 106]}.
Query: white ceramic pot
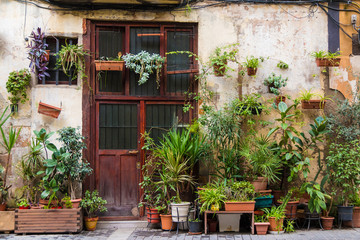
{"type": "Point", "coordinates": [180, 211]}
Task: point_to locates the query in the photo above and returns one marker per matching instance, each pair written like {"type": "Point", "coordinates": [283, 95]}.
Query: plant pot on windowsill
{"type": "Point", "coordinates": [49, 110]}
{"type": "Point", "coordinates": [101, 65]}
{"type": "Point", "coordinates": [313, 104]}
{"type": "Point", "coordinates": [240, 206]}
{"type": "Point", "coordinates": [261, 227]}
{"type": "Point", "coordinates": [251, 71]}
{"type": "Point", "coordinates": [328, 62]}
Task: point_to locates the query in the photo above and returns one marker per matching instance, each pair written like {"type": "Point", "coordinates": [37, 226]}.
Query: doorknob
{"type": "Point", "coordinates": [134, 152]}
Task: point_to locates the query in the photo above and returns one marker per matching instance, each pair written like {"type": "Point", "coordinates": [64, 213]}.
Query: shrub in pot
{"type": "Point", "coordinates": [92, 203]}
{"type": "Point", "coordinates": [261, 225]}
{"type": "Point", "coordinates": [276, 215]}
{"type": "Point", "coordinates": [220, 58]}
{"type": "Point", "coordinates": [240, 196]}
{"type": "Point", "coordinates": [343, 164]}
{"type": "Point", "coordinates": [195, 226]}
{"type": "Point", "coordinates": [326, 59]}
{"type": "Point", "coordinates": [252, 63]}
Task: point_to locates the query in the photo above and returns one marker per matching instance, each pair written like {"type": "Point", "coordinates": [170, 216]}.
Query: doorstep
{"type": "Point", "coordinates": [121, 224]}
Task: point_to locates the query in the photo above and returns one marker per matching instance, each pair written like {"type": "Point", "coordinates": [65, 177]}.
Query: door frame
{"type": "Point", "coordinates": [90, 102]}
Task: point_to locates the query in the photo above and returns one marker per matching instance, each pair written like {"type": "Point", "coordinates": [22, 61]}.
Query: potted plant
{"type": "Point", "coordinates": [16, 85]}
{"type": "Point", "coordinates": [240, 197]}
{"type": "Point", "coordinates": [261, 225]}
{"type": "Point", "coordinates": [274, 83]}
{"type": "Point", "coordinates": [37, 54]}
{"type": "Point", "coordinates": [92, 203]}
{"type": "Point", "coordinates": [326, 220]}
{"type": "Point", "coordinates": [263, 165]}
{"type": "Point", "coordinates": [344, 171]}
{"type": "Point", "coordinates": [211, 199]}
{"type": "Point", "coordinates": [76, 168]}
{"type": "Point", "coordinates": [110, 64]}
{"type": "Point", "coordinates": [327, 59]}
{"type": "Point", "coordinates": [71, 58]}
{"type": "Point", "coordinates": [195, 226]}
{"type": "Point", "coordinates": [276, 216]}
{"type": "Point", "coordinates": [23, 204]}
{"type": "Point", "coordinates": [291, 206]}
{"type": "Point", "coordinates": [249, 105]}
{"type": "Point", "coordinates": [66, 201]}
{"type": "Point", "coordinates": [145, 64]}
{"type": "Point", "coordinates": [252, 63]}
{"type": "Point", "coordinates": [308, 101]}
{"type": "Point", "coordinates": [220, 58]}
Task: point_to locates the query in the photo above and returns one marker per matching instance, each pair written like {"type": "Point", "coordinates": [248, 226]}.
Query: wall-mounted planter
{"type": "Point", "coordinates": [218, 71]}
{"type": "Point", "coordinates": [325, 62]}
{"type": "Point", "coordinates": [251, 71]}
{"type": "Point", "coordinates": [49, 110]}
{"type": "Point", "coordinates": [280, 99]}
{"type": "Point", "coordinates": [47, 55]}
{"type": "Point", "coordinates": [109, 65]}
{"type": "Point", "coordinates": [313, 104]}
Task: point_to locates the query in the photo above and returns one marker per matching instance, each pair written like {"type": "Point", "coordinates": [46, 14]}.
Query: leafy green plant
{"type": "Point", "coordinates": [275, 83]}
{"type": "Point", "coordinates": [289, 227]}
{"type": "Point", "coordinates": [324, 54]}
{"type": "Point", "coordinates": [71, 58]}
{"type": "Point", "coordinates": [343, 164]}
{"type": "Point", "coordinates": [76, 169]}
{"type": "Point", "coordinates": [307, 95]}
{"type": "Point", "coordinates": [221, 56]}
{"type": "Point", "coordinates": [67, 201]}
{"type": "Point", "coordinates": [282, 65]}
{"type": "Point", "coordinates": [22, 203]}
{"type": "Point", "coordinates": [318, 197]}
{"type": "Point", "coordinates": [17, 84]}
{"type": "Point", "coordinates": [260, 219]}
{"type": "Point", "coordinates": [93, 203]}
{"type": "Point", "coordinates": [145, 64]}
{"type": "Point", "coordinates": [253, 62]}
{"type": "Point", "coordinates": [240, 191]}
{"type": "Point", "coordinates": [211, 199]}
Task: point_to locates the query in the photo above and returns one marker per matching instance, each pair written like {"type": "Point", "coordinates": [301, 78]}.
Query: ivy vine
{"type": "Point", "coordinates": [17, 84]}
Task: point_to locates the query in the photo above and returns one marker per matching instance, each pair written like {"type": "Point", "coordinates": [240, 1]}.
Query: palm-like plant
{"type": "Point", "coordinates": [211, 198]}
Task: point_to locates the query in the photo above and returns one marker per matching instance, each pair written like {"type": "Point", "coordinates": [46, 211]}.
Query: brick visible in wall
{"type": "Point", "coordinates": [355, 45]}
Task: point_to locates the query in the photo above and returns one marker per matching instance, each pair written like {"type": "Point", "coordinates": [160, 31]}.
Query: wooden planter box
{"type": "Point", "coordinates": [48, 220]}
{"type": "Point", "coordinates": [325, 62]}
{"type": "Point", "coordinates": [109, 65]}
{"type": "Point", "coordinates": [313, 104]}
{"type": "Point", "coordinates": [240, 206]}
{"type": "Point", "coordinates": [7, 221]}
{"type": "Point", "coordinates": [49, 110]}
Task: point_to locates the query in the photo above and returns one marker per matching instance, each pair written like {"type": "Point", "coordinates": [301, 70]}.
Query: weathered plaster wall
{"type": "Point", "coordinates": [270, 31]}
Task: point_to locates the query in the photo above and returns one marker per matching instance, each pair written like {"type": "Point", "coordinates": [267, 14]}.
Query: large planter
{"type": "Point", "coordinates": [325, 62]}
{"type": "Point", "coordinates": [240, 206]}
{"type": "Point", "coordinates": [195, 227]}
{"type": "Point", "coordinates": [276, 225]}
{"type": "Point", "coordinates": [265, 201]}
{"type": "Point", "coordinates": [180, 211]}
{"type": "Point", "coordinates": [48, 220]}
{"type": "Point", "coordinates": [109, 65]}
{"type": "Point", "coordinates": [166, 222]}
{"type": "Point", "coordinates": [259, 184]}
{"type": "Point", "coordinates": [153, 215]}
{"type": "Point", "coordinates": [291, 208]}
{"type": "Point", "coordinates": [229, 222]}
{"type": "Point", "coordinates": [49, 110]}
{"type": "Point", "coordinates": [345, 213]}
{"type": "Point", "coordinates": [327, 222]}
{"type": "Point", "coordinates": [313, 104]}
{"type": "Point", "coordinates": [261, 228]}
{"type": "Point", "coordinates": [90, 223]}
{"type": "Point", "coordinates": [7, 221]}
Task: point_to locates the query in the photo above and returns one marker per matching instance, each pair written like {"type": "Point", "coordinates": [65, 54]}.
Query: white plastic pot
{"type": "Point", "coordinates": [229, 222]}
{"type": "Point", "coordinates": [180, 211]}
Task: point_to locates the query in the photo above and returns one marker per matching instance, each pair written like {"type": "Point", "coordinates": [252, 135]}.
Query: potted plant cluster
{"type": "Point", "coordinates": [92, 203]}
{"type": "Point", "coordinates": [221, 57]}
{"type": "Point", "coordinates": [17, 85]}
{"type": "Point", "coordinates": [145, 64]}
{"type": "Point", "coordinates": [274, 83]}
{"type": "Point", "coordinates": [240, 197]}
{"type": "Point", "coordinates": [327, 59]}
{"type": "Point", "coordinates": [252, 64]}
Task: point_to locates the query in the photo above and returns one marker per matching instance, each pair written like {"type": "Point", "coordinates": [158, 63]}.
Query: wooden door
{"type": "Point", "coordinates": [118, 161]}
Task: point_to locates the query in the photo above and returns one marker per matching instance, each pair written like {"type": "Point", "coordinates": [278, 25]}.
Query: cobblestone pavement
{"type": "Point", "coordinates": [342, 234]}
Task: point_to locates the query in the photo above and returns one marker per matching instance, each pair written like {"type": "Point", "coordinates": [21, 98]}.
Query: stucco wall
{"type": "Point", "coordinates": [270, 31]}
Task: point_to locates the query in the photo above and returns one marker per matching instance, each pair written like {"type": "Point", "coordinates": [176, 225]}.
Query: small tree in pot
{"type": "Point", "coordinates": [92, 203]}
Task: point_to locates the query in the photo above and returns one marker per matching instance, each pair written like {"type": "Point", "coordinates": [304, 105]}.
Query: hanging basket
{"type": "Point", "coordinates": [49, 110]}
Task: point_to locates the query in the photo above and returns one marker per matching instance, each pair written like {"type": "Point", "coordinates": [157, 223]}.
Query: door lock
{"type": "Point", "coordinates": [138, 165]}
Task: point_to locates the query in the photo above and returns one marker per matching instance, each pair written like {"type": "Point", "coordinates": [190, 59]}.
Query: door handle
{"type": "Point", "coordinates": [134, 152]}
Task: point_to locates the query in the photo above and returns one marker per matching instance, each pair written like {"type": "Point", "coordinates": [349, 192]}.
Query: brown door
{"type": "Point", "coordinates": [118, 159]}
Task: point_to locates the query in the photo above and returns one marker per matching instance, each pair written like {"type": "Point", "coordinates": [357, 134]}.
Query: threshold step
{"type": "Point", "coordinates": [121, 224]}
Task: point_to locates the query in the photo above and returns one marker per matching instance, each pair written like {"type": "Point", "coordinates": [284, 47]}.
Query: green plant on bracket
{"type": "Point", "coordinates": [275, 83]}
{"type": "Point", "coordinates": [253, 62]}
{"type": "Point", "coordinates": [221, 57]}
{"type": "Point", "coordinates": [17, 84]}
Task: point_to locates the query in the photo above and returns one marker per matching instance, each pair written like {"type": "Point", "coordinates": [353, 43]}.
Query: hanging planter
{"type": "Point", "coordinates": [251, 71]}
{"type": "Point", "coordinates": [219, 70]}
{"type": "Point", "coordinates": [313, 104]}
{"type": "Point", "coordinates": [101, 65]}
{"type": "Point", "coordinates": [49, 110]}
{"type": "Point", "coordinates": [328, 62]}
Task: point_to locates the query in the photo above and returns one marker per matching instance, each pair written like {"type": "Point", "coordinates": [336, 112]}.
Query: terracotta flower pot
{"type": "Point", "coordinates": [219, 71]}
{"type": "Point", "coordinates": [76, 202]}
{"type": "Point", "coordinates": [259, 184]}
{"type": "Point", "coordinates": [47, 55]}
{"type": "Point", "coordinates": [356, 217]}
{"type": "Point", "coordinates": [313, 104]}
{"type": "Point", "coordinates": [291, 208]}
{"type": "Point", "coordinates": [280, 99]}
{"type": "Point", "coordinates": [166, 222]}
{"type": "Point", "coordinates": [153, 215]}
{"type": "Point", "coordinates": [49, 110]}
{"type": "Point", "coordinates": [251, 71]}
{"type": "Point", "coordinates": [276, 225]}
{"type": "Point", "coordinates": [90, 223]}
{"type": "Point", "coordinates": [2, 206]}
{"type": "Point", "coordinates": [324, 62]}
{"type": "Point", "coordinates": [240, 206]}
{"type": "Point", "coordinates": [261, 228]}
{"type": "Point", "coordinates": [327, 222]}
